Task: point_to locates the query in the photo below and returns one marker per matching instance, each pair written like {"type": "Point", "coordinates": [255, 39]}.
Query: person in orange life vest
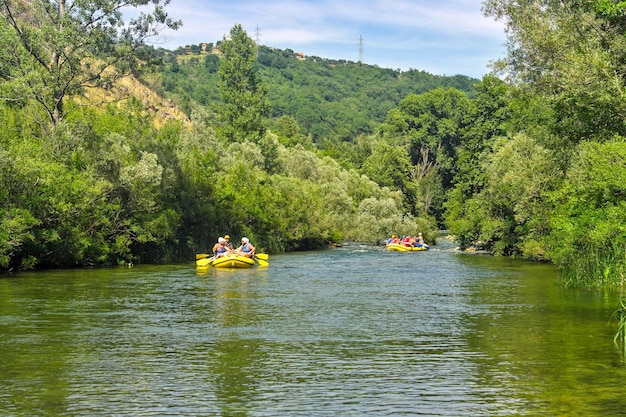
{"type": "Point", "coordinates": [220, 249]}
{"type": "Point", "coordinates": [406, 240]}
{"type": "Point", "coordinates": [246, 249]}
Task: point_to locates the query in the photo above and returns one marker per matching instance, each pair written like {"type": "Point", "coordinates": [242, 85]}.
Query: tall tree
{"type": "Point", "coordinates": [430, 126]}
{"type": "Point", "coordinates": [242, 90]}
{"type": "Point", "coordinates": [571, 52]}
{"type": "Point", "coordinates": [50, 50]}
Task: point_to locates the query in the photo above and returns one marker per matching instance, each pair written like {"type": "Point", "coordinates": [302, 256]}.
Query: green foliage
{"type": "Point", "coordinates": [430, 127]}
{"type": "Point", "coordinates": [385, 217]}
{"type": "Point", "coordinates": [588, 234]}
{"type": "Point", "coordinates": [50, 50]}
{"type": "Point", "coordinates": [331, 101]}
{"type": "Point", "coordinates": [289, 132]}
{"type": "Point", "coordinates": [485, 120]}
{"type": "Point", "coordinates": [53, 214]}
{"type": "Point", "coordinates": [390, 166]}
{"type": "Point", "coordinates": [80, 198]}
{"type": "Point", "coordinates": [529, 165]}
{"type": "Point", "coordinates": [565, 61]}
{"type": "Point", "coordinates": [336, 101]}
{"type": "Point", "coordinates": [243, 93]}
{"type": "Point", "coordinates": [15, 231]}
{"type": "Point", "coordinates": [509, 216]}
{"type": "Point", "coordinates": [104, 186]}
{"type": "Point", "coordinates": [568, 54]}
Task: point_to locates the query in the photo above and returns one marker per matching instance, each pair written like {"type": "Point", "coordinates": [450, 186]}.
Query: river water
{"type": "Point", "coordinates": [352, 331]}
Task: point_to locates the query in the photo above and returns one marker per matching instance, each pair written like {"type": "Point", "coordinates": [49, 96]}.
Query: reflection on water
{"type": "Point", "coordinates": [350, 331]}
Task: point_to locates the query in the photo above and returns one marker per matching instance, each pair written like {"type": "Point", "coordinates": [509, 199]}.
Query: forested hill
{"type": "Point", "coordinates": [331, 100]}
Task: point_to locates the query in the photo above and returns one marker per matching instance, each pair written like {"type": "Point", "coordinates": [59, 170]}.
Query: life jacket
{"type": "Point", "coordinates": [221, 249]}
{"type": "Point", "coordinates": [246, 248]}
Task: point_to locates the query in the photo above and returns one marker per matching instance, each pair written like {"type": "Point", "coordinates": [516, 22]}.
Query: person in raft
{"type": "Point", "coordinates": [246, 249]}
{"type": "Point", "coordinates": [229, 244]}
{"type": "Point", "coordinates": [393, 239]}
{"type": "Point", "coordinates": [419, 242]}
{"type": "Point", "coordinates": [220, 249]}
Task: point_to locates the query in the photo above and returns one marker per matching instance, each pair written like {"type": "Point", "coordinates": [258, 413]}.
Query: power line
{"type": "Point", "coordinates": [361, 48]}
{"type": "Point", "coordinates": [257, 39]}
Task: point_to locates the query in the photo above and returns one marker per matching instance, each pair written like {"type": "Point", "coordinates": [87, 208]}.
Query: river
{"type": "Point", "coordinates": [351, 331]}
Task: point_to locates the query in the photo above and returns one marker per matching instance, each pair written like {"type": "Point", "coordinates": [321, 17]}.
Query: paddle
{"type": "Point", "coordinates": [204, 262]}
{"type": "Point", "coordinates": [263, 256]}
{"type": "Point", "coordinates": [261, 261]}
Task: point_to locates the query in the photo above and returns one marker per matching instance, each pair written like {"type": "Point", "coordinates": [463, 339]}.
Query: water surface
{"type": "Point", "coordinates": [350, 331]}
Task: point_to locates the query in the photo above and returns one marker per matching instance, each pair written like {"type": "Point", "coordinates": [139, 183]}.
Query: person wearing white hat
{"type": "Point", "coordinates": [246, 249]}
{"type": "Point", "coordinates": [220, 248]}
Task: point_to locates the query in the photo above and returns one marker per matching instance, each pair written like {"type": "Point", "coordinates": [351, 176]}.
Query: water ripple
{"type": "Point", "coordinates": [351, 331]}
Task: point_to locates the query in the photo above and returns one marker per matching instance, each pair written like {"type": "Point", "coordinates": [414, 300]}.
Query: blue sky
{"type": "Point", "coordinates": [443, 37]}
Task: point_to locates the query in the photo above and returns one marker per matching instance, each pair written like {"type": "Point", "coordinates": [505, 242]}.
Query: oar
{"type": "Point", "coordinates": [263, 256]}
{"type": "Point", "coordinates": [261, 261]}
{"type": "Point", "coordinates": [202, 255]}
{"type": "Point", "coordinates": [204, 262]}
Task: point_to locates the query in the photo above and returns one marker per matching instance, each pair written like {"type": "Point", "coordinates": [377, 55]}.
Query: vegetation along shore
{"type": "Point", "coordinates": [113, 151]}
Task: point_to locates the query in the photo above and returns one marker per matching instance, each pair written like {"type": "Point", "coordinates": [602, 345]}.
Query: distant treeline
{"type": "Point", "coordinates": [330, 100]}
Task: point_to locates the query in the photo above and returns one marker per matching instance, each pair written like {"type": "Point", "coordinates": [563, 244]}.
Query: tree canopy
{"type": "Point", "coordinates": [243, 93]}
{"type": "Point", "coordinates": [52, 50]}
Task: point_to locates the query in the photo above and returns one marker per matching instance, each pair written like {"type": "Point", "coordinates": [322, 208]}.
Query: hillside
{"type": "Point", "coordinates": [163, 109]}
{"type": "Point", "coordinates": [331, 100]}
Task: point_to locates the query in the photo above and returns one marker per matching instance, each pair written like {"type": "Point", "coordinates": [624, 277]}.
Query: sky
{"type": "Point", "coordinates": [442, 37]}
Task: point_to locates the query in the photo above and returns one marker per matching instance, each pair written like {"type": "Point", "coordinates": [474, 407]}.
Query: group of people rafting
{"type": "Point", "coordinates": [225, 247]}
{"type": "Point", "coordinates": [414, 241]}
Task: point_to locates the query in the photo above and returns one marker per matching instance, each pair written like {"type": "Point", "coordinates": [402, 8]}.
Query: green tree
{"type": "Point", "coordinates": [588, 236]}
{"type": "Point", "coordinates": [289, 132]}
{"type": "Point", "coordinates": [390, 166]}
{"type": "Point", "coordinates": [510, 215]}
{"type": "Point", "coordinates": [244, 95]}
{"type": "Point", "coordinates": [50, 50]}
{"type": "Point", "coordinates": [486, 120]}
{"type": "Point", "coordinates": [430, 127]}
{"type": "Point", "coordinates": [570, 52]}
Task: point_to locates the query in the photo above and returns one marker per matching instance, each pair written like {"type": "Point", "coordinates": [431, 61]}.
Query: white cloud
{"type": "Point", "coordinates": [408, 33]}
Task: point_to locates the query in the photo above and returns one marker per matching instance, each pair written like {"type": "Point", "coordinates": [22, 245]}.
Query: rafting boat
{"type": "Point", "coordinates": [227, 261]}
{"type": "Point", "coordinates": [398, 247]}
